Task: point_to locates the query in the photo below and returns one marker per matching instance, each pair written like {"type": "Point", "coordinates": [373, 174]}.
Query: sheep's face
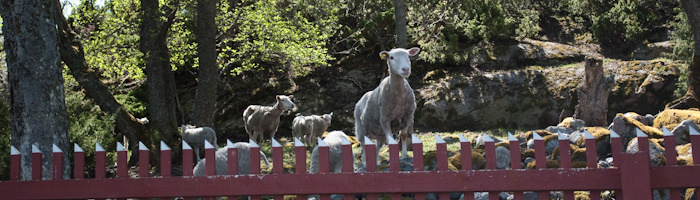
{"type": "Point", "coordinates": [285, 102]}
{"type": "Point", "coordinates": [399, 61]}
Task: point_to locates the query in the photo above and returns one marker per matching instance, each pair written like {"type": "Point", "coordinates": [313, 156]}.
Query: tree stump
{"type": "Point", "coordinates": [593, 93]}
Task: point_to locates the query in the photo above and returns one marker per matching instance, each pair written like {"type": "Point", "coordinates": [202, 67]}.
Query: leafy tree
{"type": "Point", "coordinates": [205, 102]}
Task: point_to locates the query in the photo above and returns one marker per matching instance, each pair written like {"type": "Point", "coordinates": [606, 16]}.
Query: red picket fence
{"type": "Point", "coordinates": [631, 178]}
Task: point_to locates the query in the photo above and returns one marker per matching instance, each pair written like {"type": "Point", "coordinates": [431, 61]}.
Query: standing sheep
{"type": "Point", "coordinates": [265, 119]}
{"type": "Point", "coordinates": [222, 160]}
{"type": "Point", "coordinates": [389, 108]}
{"type": "Point", "coordinates": [307, 128]}
{"type": "Point", "coordinates": [195, 137]}
{"type": "Point", "coordinates": [334, 139]}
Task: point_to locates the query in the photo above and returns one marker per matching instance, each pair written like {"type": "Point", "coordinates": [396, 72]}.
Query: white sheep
{"type": "Point", "coordinates": [260, 120]}
{"type": "Point", "coordinates": [334, 140]}
{"type": "Point", "coordinates": [195, 136]}
{"type": "Point", "coordinates": [389, 108]}
{"type": "Point", "coordinates": [308, 128]}
{"type": "Point", "coordinates": [222, 160]}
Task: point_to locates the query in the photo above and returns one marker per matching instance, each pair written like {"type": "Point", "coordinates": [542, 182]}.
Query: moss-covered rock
{"type": "Point", "coordinates": [670, 118]}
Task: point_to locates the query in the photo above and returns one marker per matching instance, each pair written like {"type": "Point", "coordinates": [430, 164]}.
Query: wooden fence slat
{"type": "Point", "coordinates": [635, 175]}
{"type": "Point", "coordinates": [57, 162]}
{"type": "Point", "coordinates": [232, 164]}
{"type": "Point", "coordinates": [277, 157]}
{"type": "Point", "coordinates": [348, 161]}
{"type": "Point", "coordinates": [394, 159]}
{"type": "Point", "coordinates": [210, 158]}
{"type": "Point", "coordinates": [417, 146]}
{"type": "Point", "coordinates": [144, 161]}
{"type": "Point", "coordinates": [491, 163]}
{"type": "Point", "coordinates": [166, 165]}
{"type": "Point", "coordinates": [515, 160]}
{"type": "Point", "coordinates": [121, 161]}
{"type": "Point", "coordinates": [466, 158]}
{"type": "Point", "coordinates": [670, 155]}
{"type": "Point", "coordinates": [540, 161]}
{"type": "Point", "coordinates": [78, 162]}
{"type": "Point", "coordinates": [617, 150]}
{"type": "Point", "coordinates": [370, 161]}
{"type": "Point", "coordinates": [36, 163]}
{"type": "Point", "coordinates": [100, 161]}
{"type": "Point", "coordinates": [441, 156]}
{"type": "Point", "coordinates": [187, 159]}
{"type": "Point", "coordinates": [323, 157]}
{"type": "Point", "coordinates": [299, 156]}
{"type": "Point", "coordinates": [591, 159]}
{"type": "Point", "coordinates": [15, 164]}
{"type": "Point", "coordinates": [695, 144]}
{"type": "Point", "coordinates": [565, 159]}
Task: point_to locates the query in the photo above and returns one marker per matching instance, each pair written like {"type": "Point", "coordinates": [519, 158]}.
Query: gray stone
{"type": "Point", "coordinates": [655, 152]}
{"type": "Point", "coordinates": [502, 157]}
{"type": "Point", "coordinates": [559, 129]}
{"type": "Point", "coordinates": [682, 133]}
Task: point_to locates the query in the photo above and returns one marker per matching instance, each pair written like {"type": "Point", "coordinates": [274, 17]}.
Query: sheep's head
{"type": "Point", "coordinates": [327, 118]}
{"type": "Point", "coordinates": [285, 102]}
{"type": "Point", "coordinates": [398, 60]}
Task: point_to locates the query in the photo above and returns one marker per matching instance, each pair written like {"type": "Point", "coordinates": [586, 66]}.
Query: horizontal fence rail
{"type": "Point", "coordinates": [632, 176]}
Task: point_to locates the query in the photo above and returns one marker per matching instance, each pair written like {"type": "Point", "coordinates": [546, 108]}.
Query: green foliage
{"type": "Point", "coordinates": [291, 34]}
{"type": "Point", "coordinates": [683, 48]}
{"type": "Point", "coordinates": [87, 124]}
{"type": "Point", "coordinates": [110, 37]}
{"type": "Point", "coordinates": [529, 24]}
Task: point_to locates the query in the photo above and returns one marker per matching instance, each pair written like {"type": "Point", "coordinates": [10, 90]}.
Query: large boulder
{"type": "Point", "coordinates": [682, 132]}
{"type": "Point", "coordinates": [656, 151]}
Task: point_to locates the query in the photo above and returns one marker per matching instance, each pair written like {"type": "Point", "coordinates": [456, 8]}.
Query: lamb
{"type": "Point", "coordinates": [307, 128]}
{"type": "Point", "coordinates": [334, 139]}
{"type": "Point", "coordinates": [222, 160]}
{"type": "Point", "coordinates": [195, 137]}
{"type": "Point", "coordinates": [389, 108]}
{"type": "Point", "coordinates": [265, 119]}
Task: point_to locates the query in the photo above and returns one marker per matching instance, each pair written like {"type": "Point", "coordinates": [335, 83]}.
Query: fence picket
{"type": "Point", "coordinates": [565, 160]}
{"type": "Point", "coordinates": [209, 158]}
{"type": "Point", "coordinates": [121, 161]}
{"type": "Point", "coordinates": [165, 160]}
{"type": "Point", "coordinates": [540, 161]}
{"type": "Point", "coordinates": [15, 164]}
{"type": "Point", "coordinates": [57, 162]}
{"type": "Point", "coordinates": [441, 156]}
{"type": "Point", "coordinates": [254, 161]}
{"type": "Point", "coordinates": [36, 163]}
{"type": "Point", "coordinates": [232, 164]}
{"type": "Point", "coordinates": [78, 162]}
{"type": "Point", "coordinates": [670, 155]}
{"type": "Point", "coordinates": [187, 159]}
{"type": "Point", "coordinates": [695, 144]}
{"type": "Point", "coordinates": [144, 165]}
{"type": "Point", "coordinates": [299, 156]}
{"type": "Point", "coordinates": [100, 161]}
{"type": "Point", "coordinates": [591, 159]}
{"type": "Point", "coordinates": [370, 162]}
{"type": "Point", "coordinates": [417, 146]}
{"type": "Point", "coordinates": [515, 164]}
{"type": "Point", "coordinates": [466, 158]}
{"type": "Point", "coordinates": [347, 159]}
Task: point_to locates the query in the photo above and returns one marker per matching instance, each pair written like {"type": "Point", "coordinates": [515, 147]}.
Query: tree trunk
{"type": "Point", "coordinates": [160, 78]}
{"type": "Point", "coordinates": [205, 101]}
{"type": "Point", "coordinates": [73, 56]}
{"type": "Point", "coordinates": [400, 15]}
{"type": "Point", "coordinates": [690, 100]}
{"type": "Point", "coordinates": [37, 104]}
{"type": "Point", "coordinates": [593, 94]}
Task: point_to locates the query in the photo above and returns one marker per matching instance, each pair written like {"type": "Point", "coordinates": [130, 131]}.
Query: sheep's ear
{"type": "Point", "coordinates": [278, 97]}
{"type": "Point", "coordinates": [383, 55]}
{"type": "Point", "coordinates": [291, 96]}
{"type": "Point", "coordinates": [413, 51]}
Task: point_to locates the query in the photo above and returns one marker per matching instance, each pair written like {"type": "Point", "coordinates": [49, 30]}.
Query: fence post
{"type": "Point", "coordinates": [466, 158]}
{"type": "Point", "coordinates": [144, 165]}
{"type": "Point", "coordinates": [78, 162]}
{"type": "Point", "coordinates": [299, 156]}
{"type": "Point", "coordinates": [15, 164]}
{"type": "Point", "coordinates": [57, 162]}
{"type": "Point", "coordinates": [186, 159]}
{"type": "Point", "coordinates": [591, 158]}
{"type": "Point", "coordinates": [394, 159]}
{"type": "Point", "coordinates": [636, 183]}
{"type": "Point", "coordinates": [209, 158]}
{"type": "Point", "coordinates": [565, 159]}
{"type": "Point", "coordinates": [540, 160]}
{"type": "Point", "coordinates": [121, 161]}
{"type": "Point", "coordinates": [36, 163]}
{"type": "Point", "coordinates": [515, 163]}
{"type": "Point", "coordinates": [165, 160]}
{"type": "Point", "coordinates": [441, 160]}
{"type": "Point", "coordinates": [417, 146]}
{"type": "Point", "coordinates": [671, 157]}
{"type": "Point", "coordinates": [100, 161]}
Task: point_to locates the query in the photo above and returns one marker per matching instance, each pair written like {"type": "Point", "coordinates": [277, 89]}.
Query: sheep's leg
{"type": "Point", "coordinates": [404, 148]}
{"type": "Point", "coordinates": [196, 152]}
